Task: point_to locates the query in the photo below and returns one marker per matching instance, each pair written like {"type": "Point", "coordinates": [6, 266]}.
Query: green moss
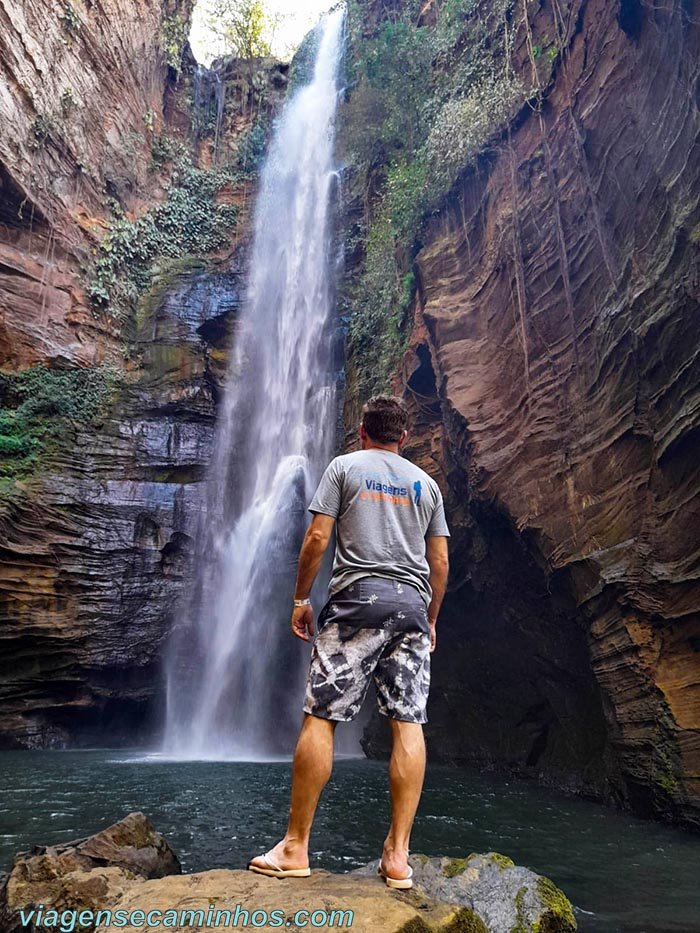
{"type": "Point", "coordinates": [465, 920]}
{"type": "Point", "coordinates": [455, 866]}
{"type": "Point", "coordinates": [164, 276]}
{"type": "Point", "coordinates": [501, 860]}
{"type": "Point", "coordinates": [559, 916]}
{"type": "Point", "coordinates": [668, 783]}
{"type": "Point", "coordinates": [415, 925]}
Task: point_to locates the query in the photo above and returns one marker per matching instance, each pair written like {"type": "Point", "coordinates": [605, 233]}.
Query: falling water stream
{"type": "Point", "coordinates": [233, 669]}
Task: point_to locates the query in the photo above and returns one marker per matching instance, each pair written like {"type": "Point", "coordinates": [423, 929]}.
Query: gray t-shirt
{"type": "Point", "coordinates": [385, 508]}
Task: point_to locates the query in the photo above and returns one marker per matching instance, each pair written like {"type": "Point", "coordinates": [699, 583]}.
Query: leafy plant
{"type": "Point", "coordinates": [244, 26]}
{"type": "Point", "coordinates": [189, 222]}
{"type": "Point", "coordinates": [133, 142]}
{"type": "Point", "coordinates": [173, 38]}
{"type": "Point", "coordinates": [252, 145]}
{"type": "Point", "coordinates": [165, 149]}
{"type": "Point", "coordinates": [40, 131]}
{"type": "Point", "coordinates": [40, 404]}
{"type": "Point", "coordinates": [424, 102]}
{"type": "Point", "coordinates": [464, 125]}
{"type": "Point", "coordinates": [67, 100]}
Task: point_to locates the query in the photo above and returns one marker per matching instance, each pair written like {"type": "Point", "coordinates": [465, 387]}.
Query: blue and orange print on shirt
{"type": "Point", "coordinates": [376, 491]}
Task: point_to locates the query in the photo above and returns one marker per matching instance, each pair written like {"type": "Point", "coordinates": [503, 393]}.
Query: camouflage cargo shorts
{"type": "Point", "coordinates": [373, 628]}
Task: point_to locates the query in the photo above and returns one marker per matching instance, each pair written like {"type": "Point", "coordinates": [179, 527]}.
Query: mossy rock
{"type": "Point", "coordinates": [456, 866]}
{"type": "Point", "coordinates": [559, 916]}
{"type": "Point", "coordinates": [503, 896]}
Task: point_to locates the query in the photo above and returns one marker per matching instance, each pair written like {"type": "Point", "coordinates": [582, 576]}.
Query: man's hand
{"type": "Point", "coordinates": [303, 622]}
{"type": "Point", "coordinates": [432, 623]}
{"type": "Point", "coordinates": [315, 542]}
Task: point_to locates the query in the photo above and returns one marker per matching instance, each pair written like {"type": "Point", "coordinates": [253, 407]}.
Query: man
{"type": "Point", "coordinates": [388, 581]}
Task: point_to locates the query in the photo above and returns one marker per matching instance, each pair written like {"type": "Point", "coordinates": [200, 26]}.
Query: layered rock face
{"type": "Point", "coordinates": [82, 89]}
{"type": "Point", "coordinates": [551, 377]}
{"type": "Point", "coordinates": [96, 539]}
{"type": "Point", "coordinates": [94, 552]}
{"type": "Point", "coordinates": [554, 390]}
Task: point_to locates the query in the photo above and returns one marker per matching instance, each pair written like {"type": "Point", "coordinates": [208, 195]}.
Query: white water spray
{"type": "Point", "coordinates": [233, 664]}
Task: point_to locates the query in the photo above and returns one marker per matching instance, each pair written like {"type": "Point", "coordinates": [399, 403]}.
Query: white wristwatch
{"type": "Point", "coordinates": [301, 602]}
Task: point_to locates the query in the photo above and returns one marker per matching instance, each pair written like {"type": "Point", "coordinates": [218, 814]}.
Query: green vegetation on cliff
{"type": "Point", "coordinates": [39, 406]}
{"type": "Point", "coordinates": [191, 221]}
{"type": "Point", "coordinates": [426, 95]}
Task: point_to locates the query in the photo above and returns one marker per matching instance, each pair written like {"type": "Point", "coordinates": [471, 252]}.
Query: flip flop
{"type": "Point", "coordinates": [402, 884]}
{"type": "Point", "coordinates": [274, 871]}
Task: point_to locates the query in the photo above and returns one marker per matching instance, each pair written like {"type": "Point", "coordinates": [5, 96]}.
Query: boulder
{"type": "Point", "coordinates": [502, 895]}
{"type": "Point", "coordinates": [208, 894]}
{"type": "Point", "coordinates": [87, 873]}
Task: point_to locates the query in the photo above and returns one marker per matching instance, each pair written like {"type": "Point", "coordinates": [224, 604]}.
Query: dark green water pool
{"type": "Point", "coordinates": [623, 875]}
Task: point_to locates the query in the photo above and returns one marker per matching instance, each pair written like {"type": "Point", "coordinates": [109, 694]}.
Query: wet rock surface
{"type": "Point", "coordinates": [97, 552]}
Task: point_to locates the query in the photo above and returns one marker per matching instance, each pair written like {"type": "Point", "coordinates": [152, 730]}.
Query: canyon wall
{"type": "Point", "coordinates": [82, 87]}
{"type": "Point", "coordinates": [553, 382]}
{"type": "Point", "coordinates": [549, 367]}
{"type": "Point", "coordinates": [110, 121]}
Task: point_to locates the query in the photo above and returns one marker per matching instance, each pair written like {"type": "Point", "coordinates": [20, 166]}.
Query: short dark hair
{"type": "Point", "coordinates": [384, 418]}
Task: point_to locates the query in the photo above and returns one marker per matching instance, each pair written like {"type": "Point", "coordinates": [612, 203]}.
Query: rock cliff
{"type": "Point", "coordinates": [548, 333]}
{"type": "Point", "coordinates": [551, 374]}
{"type": "Point", "coordinates": [82, 89]}
{"type": "Point", "coordinates": [125, 189]}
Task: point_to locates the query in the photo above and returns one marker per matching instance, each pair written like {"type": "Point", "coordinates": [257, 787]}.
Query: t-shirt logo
{"type": "Point", "coordinates": [377, 491]}
{"type": "Point", "coordinates": [417, 490]}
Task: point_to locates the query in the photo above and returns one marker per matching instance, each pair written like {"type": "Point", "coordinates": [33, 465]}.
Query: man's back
{"type": "Point", "coordinates": [385, 507]}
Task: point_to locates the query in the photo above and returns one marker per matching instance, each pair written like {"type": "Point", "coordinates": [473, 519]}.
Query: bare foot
{"type": "Point", "coordinates": [285, 855]}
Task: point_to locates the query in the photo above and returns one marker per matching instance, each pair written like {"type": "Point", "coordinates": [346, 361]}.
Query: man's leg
{"type": "Point", "coordinates": [313, 762]}
{"type": "Point", "coordinates": [406, 772]}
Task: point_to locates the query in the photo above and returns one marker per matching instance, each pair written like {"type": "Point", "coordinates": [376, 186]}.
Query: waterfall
{"type": "Point", "coordinates": [234, 671]}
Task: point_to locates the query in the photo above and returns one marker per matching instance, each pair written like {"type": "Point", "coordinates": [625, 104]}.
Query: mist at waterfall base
{"type": "Point", "coordinates": [234, 671]}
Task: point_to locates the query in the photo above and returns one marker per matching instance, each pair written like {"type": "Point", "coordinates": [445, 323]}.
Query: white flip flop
{"type": "Point", "coordinates": [274, 871]}
{"type": "Point", "coordinates": [401, 884]}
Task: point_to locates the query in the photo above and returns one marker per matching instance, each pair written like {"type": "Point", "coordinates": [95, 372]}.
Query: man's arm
{"type": "Point", "coordinates": [438, 561]}
{"type": "Point", "coordinates": [316, 539]}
